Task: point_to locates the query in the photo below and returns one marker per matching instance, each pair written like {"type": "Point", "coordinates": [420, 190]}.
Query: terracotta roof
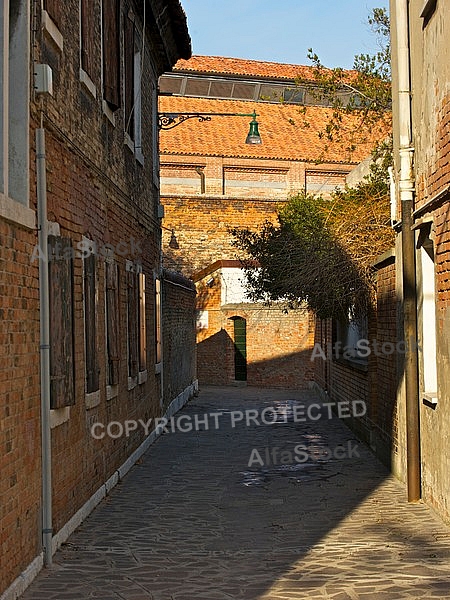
{"type": "Point", "coordinates": [220, 65]}
{"type": "Point", "coordinates": [286, 132]}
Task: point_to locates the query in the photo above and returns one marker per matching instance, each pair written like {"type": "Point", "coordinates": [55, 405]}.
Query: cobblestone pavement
{"type": "Point", "coordinates": [193, 521]}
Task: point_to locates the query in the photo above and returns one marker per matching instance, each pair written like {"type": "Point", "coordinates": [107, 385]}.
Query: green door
{"type": "Point", "coordinates": [240, 349]}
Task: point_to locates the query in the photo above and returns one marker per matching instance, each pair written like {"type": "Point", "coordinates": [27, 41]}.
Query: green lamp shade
{"type": "Point", "coordinates": [253, 136]}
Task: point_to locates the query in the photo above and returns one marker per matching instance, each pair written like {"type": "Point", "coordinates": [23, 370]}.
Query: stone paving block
{"type": "Point", "coordinates": [194, 521]}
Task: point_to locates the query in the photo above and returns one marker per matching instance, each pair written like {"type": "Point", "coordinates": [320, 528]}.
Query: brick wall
{"type": "Point", "coordinates": [278, 344]}
{"type": "Point", "coordinates": [201, 226]}
{"type": "Point", "coordinates": [98, 188]}
{"type": "Point", "coordinates": [179, 351]}
{"type": "Point", "coordinates": [377, 381]}
{"type": "Point", "coordinates": [20, 483]}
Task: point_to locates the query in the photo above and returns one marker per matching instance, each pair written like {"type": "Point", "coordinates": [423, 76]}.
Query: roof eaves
{"type": "Point", "coordinates": [261, 157]}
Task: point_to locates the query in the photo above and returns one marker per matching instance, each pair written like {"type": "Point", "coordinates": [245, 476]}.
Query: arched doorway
{"type": "Point", "coordinates": [240, 349]}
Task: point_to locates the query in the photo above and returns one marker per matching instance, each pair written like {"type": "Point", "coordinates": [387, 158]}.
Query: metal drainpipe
{"type": "Point", "coordinates": [41, 179]}
{"type": "Point", "coordinates": [406, 185]}
{"type": "Point", "coordinates": [202, 179]}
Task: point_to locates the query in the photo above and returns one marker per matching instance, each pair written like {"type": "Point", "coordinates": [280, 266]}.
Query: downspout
{"type": "Point", "coordinates": [200, 171]}
{"type": "Point", "coordinates": [41, 182]}
{"type": "Point", "coordinates": [406, 188]}
{"type": "Point", "coordinates": [161, 315]}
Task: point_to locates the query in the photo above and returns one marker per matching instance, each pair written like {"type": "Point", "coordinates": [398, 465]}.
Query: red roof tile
{"type": "Point", "coordinates": [219, 65]}
{"type": "Point", "coordinates": [286, 132]}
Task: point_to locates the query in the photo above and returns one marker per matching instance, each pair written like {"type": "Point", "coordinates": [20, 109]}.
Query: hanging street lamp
{"type": "Point", "coordinates": [171, 120]}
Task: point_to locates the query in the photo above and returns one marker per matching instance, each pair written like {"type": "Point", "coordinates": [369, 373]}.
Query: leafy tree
{"type": "Point", "coordinates": [320, 251]}
{"type": "Point", "coordinates": [365, 91]}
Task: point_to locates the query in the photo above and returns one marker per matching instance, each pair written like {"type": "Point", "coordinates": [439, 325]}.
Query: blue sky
{"type": "Point", "coordinates": [282, 30]}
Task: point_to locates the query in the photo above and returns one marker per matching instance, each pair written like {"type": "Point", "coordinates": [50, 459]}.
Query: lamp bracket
{"type": "Point", "coordinates": [171, 120]}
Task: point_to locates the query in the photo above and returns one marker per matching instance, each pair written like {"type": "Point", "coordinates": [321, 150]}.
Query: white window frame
{"type": "Point", "coordinates": [14, 117]}
{"type": "Point", "coordinates": [427, 310]}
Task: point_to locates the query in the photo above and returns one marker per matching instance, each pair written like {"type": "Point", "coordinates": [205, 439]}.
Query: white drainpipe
{"type": "Point", "coordinates": [41, 179]}
{"type": "Point", "coordinates": [406, 190]}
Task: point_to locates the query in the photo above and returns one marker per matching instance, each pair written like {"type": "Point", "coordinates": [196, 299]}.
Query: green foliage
{"type": "Point", "coordinates": [321, 250]}
{"type": "Point", "coordinates": [364, 92]}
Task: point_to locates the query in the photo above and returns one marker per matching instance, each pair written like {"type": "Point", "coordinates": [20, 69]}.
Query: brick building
{"type": "Point", "coordinates": [212, 180]}
{"type": "Point", "coordinates": [79, 163]}
{"type": "Point", "coordinates": [421, 137]}
{"type": "Point", "coordinates": [404, 380]}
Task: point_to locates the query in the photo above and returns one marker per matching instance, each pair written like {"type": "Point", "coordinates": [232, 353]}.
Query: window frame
{"type": "Point", "coordinates": [90, 323]}
{"type": "Point", "coordinates": [61, 311]}
{"type": "Point", "coordinates": [110, 27]}
{"type": "Point", "coordinates": [112, 326]}
{"type": "Point", "coordinates": [158, 321]}
{"type": "Point", "coordinates": [426, 300]}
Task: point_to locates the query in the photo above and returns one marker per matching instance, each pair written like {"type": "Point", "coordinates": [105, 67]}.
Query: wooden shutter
{"type": "Point", "coordinates": [129, 75]}
{"type": "Point", "coordinates": [87, 35]}
{"type": "Point", "coordinates": [158, 329]}
{"type": "Point", "coordinates": [90, 324]}
{"type": "Point", "coordinates": [61, 322]}
{"type": "Point", "coordinates": [112, 321]}
{"type": "Point", "coordinates": [54, 9]}
{"type": "Point", "coordinates": [142, 325]}
{"type": "Point", "coordinates": [111, 47]}
{"type": "Point", "coordinates": [132, 324]}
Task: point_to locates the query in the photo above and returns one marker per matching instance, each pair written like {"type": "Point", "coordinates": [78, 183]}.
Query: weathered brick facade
{"type": "Point", "coordinates": [431, 141]}
{"type": "Point", "coordinates": [20, 406]}
{"type": "Point", "coordinates": [376, 379]}
{"type": "Point", "coordinates": [212, 181]}
{"type": "Point", "coordinates": [282, 361]}
{"type": "Point", "coordinates": [178, 301]}
{"type": "Point", "coordinates": [382, 383]}
{"type": "Point", "coordinates": [103, 194]}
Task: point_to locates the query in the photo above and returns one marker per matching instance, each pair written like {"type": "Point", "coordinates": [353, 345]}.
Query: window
{"type": "Point", "coordinates": [90, 298]}
{"type": "Point", "coordinates": [155, 136]}
{"type": "Point", "coordinates": [14, 97]}
{"type": "Point", "coordinates": [132, 321]}
{"type": "Point", "coordinates": [112, 322]}
{"type": "Point", "coordinates": [129, 32]}
{"type": "Point", "coordinates": [88, 17]}
{"type": "Point", "coordinates": [136, 321]}
{"type": "Point", "coordinates": [294, 95]}
{"type": "Point", "coordinates": [142, 324]}
{"type": "Point", "coordinates": [111, 56]}
{"type": "Point", "coordinates": [350, 340]}
{"type": "Point", "coordinates": [54, 11]}
{"type": "Point", "coordinates": [60, 270]}
{"type": "Point", "coordinates": [158, 325]}
{"type": "Point", "coordinates": [427, 315]}
{"type": "Point", "coordinates": [133, 69]}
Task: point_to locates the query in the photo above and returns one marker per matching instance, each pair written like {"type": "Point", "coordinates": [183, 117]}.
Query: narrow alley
{"type": "Point", "coordinates": [229, 513]}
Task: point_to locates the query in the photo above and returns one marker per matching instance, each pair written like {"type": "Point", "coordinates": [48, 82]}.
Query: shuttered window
{"type": "Point", "coordinates": [112, 322]}
{"type": "Point", "coordinates": [129, 64]}
{"type": "Point", "coordinates": [61, 322]}
{"type": "Point", "coordinates": [54, 9]}
{"type": "Point", "coordinates": [142, 325]}
{"type": "Point", "coordinates": [90, 323]}
{"type": "Point", "coordinates": [111, 49]}
{"type": "Point", "coordinates": [132, 324]}
{"type": "Point", "coordinates": [88, 15]}
{"type": "Point", "coordinates": [158, 329]}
